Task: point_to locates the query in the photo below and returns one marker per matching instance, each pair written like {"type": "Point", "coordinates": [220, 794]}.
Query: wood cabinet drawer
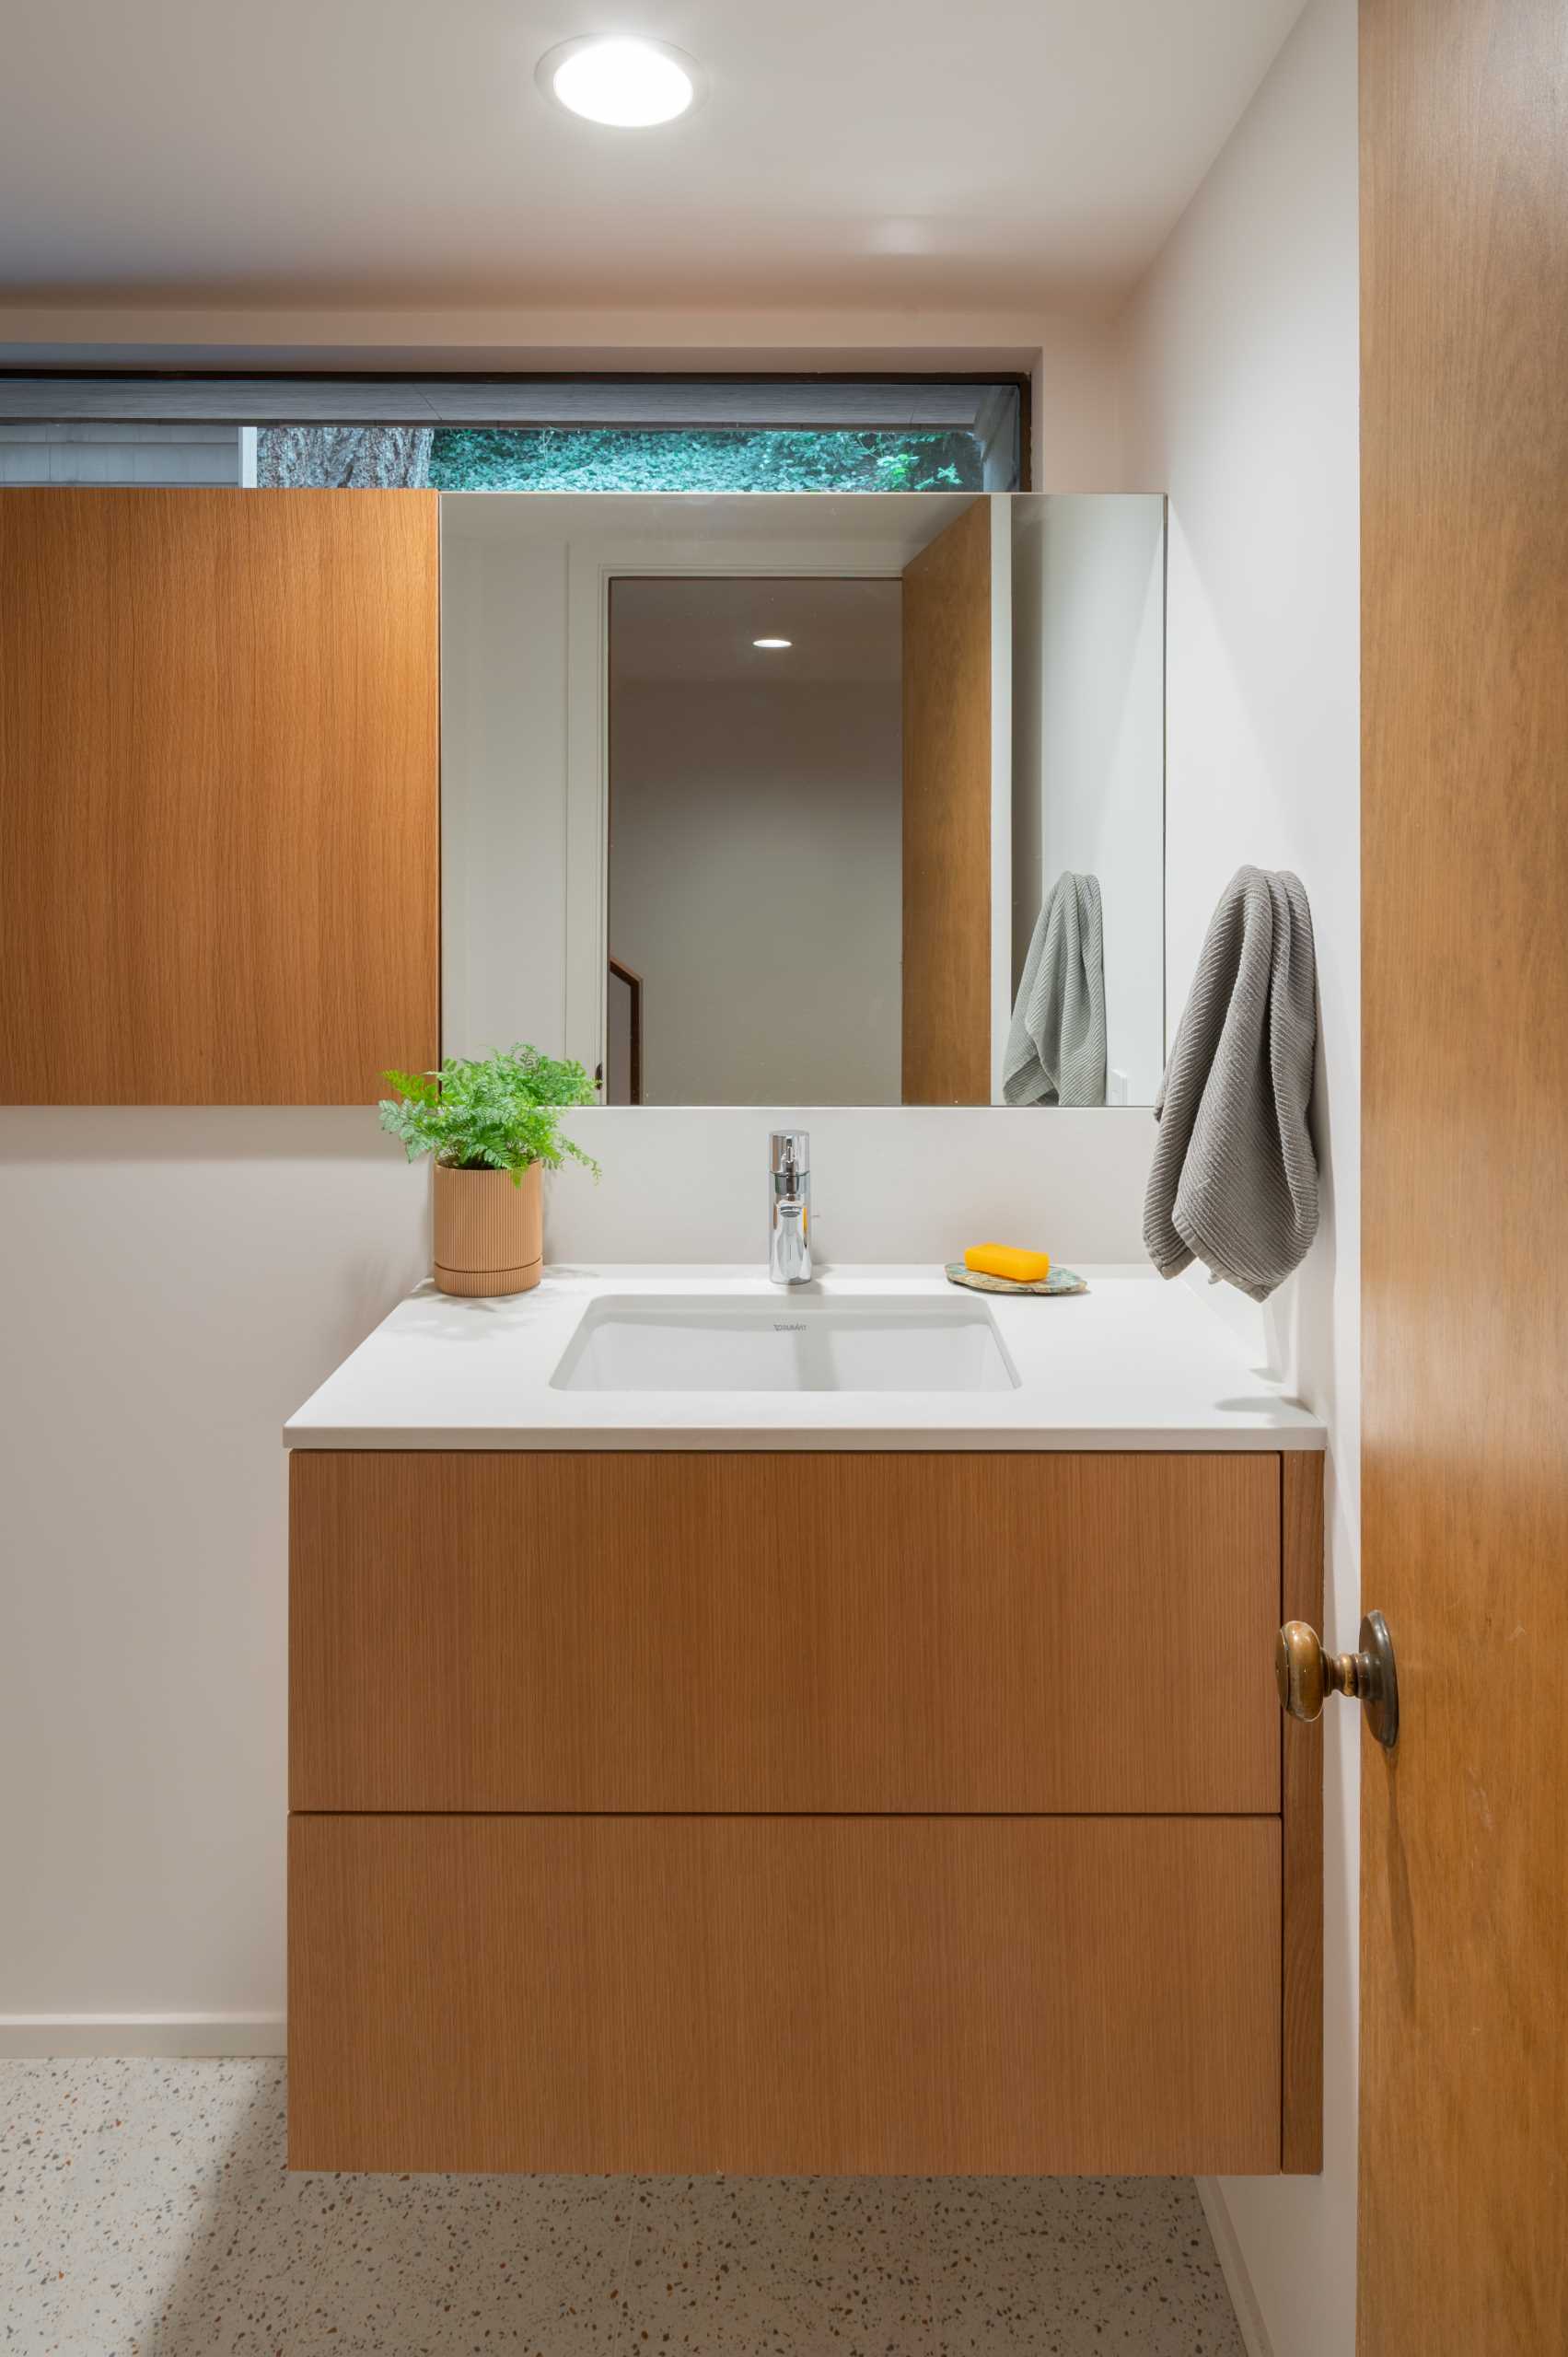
{"type": "Point", "coordinates": [783, 1994]}
{"type": "Point", "coordinates": [527, 1630]}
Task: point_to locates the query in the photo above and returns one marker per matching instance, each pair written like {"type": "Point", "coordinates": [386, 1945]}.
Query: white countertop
{"type": "Point", "coordinates": [1131, 1363]}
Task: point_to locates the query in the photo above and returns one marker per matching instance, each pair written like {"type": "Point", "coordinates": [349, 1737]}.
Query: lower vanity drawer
{"type": "Point", "coordinates": [769, 1995]}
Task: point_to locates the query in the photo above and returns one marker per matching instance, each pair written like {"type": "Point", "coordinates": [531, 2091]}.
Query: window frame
{"type": "Point", "coordinates": [63, 396]}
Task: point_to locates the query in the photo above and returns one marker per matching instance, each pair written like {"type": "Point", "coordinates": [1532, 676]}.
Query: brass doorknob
{"type": "Point", "coordinates": [1307, 1675]}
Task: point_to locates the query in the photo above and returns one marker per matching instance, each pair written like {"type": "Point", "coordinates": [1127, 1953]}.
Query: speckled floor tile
{"type": "Point", "coordinates": [776, 2265]}
{"type": "Point", "coordinates": [1078, 2266]}
{"type": "Point", "coordinates": [145, 2211]}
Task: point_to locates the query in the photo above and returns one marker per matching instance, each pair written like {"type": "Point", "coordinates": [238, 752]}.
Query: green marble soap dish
{"type": "Point", "coordinates": [1059, 1281]}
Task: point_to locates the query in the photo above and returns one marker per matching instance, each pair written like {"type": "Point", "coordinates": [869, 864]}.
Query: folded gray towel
{"type": "Point", "coordinates": [1234, 1178]}
{"type": "Point", "coordinates": [1056, 1045]}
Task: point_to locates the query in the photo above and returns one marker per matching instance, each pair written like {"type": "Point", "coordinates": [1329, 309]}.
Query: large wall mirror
{"type": "Point", "coordinates": [809, 800]}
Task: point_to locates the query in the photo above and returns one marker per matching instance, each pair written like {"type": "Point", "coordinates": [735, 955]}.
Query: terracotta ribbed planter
{"type": "Point", "coordinates": [489, 1233]}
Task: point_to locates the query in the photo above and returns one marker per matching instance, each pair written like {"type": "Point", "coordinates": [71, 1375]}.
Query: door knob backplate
{"type": "Point", "coordinates": [1307, 1675]}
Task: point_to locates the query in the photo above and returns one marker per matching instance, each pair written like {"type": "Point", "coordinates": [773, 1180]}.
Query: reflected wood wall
{"type": "Point", "coordinates": [947, 717]}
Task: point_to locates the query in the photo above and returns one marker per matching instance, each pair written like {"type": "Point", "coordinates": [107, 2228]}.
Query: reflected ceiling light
{"type": "Point", "coordinates": [630, 84]}
{"type": "Point", "coordinates": [772, 642]}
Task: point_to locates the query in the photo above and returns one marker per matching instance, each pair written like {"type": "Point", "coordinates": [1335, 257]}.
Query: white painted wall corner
{"type": "Point", "coordinates": [1233, 2267]}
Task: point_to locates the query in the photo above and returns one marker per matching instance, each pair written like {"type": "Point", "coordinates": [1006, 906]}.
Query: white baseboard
{"type": "Point", "coordinates": [25, 2036]}
{"type": "Point", "coordinates": [1233, 2267]}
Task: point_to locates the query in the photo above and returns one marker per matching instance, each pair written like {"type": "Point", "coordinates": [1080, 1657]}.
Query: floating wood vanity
{"type": "Point", "coordinates": [788, 1808]}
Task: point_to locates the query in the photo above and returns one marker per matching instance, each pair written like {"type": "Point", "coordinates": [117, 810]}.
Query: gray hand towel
{"type": "Point", "coordinates": [1056, 1045]}
{"type": "Point", "coordinates": [1234, 1178]}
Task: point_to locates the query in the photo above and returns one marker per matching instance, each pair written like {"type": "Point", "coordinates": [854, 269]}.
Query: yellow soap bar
{"type": "Point", "coordinates": [1008, 1261]}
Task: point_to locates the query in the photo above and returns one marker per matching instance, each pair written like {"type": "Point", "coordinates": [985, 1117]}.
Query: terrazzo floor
{"type": "Point", "coordinates": [145, 2211]}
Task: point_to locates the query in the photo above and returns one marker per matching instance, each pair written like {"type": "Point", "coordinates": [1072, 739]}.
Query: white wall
{"type": "Point", "coordinates": [1088, 748]}
{"type": "Point", "coordinates": [756, 883]}
{"type": "Point", "coordinates": [503, 799]}
{"type": "Point", "coordinates": [898, 1183]}
{"type": "Point", "coordinates": [1241, 352]}
{"type": "Point", "coordinates": [177, 1282]}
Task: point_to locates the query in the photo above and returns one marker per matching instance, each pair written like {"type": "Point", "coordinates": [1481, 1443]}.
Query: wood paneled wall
{"type": "Point", "coordinates": [219, 795]}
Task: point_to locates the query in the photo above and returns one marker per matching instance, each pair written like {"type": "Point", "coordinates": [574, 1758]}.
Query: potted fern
{"type": "Point", "coordinates": [492, 1126]}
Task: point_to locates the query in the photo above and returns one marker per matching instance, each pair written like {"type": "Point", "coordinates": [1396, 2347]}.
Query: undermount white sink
{"type": "Point", "coordinates": [798, 1342]}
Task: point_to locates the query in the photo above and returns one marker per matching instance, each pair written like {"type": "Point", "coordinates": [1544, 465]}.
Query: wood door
{"type": "Point", "coordinates": [219, 795]}
{"type": "Point", "coordinates": [781, 1994]}
{"type": "Point", "coordinates": [523, 1630]}
{"type": "Point", "coordinates": [948, 793]}
{"type": "Point", "coordinates": [1464, 1990]}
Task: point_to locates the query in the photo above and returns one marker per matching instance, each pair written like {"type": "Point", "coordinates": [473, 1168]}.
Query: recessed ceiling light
{"type": "Point", "coordinates": [772, 642]}
{"type": "Point", "coordinates": [630, 84]}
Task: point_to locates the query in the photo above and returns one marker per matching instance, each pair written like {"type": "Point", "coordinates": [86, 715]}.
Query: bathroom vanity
{"type": "Point", "coordinates": [697, 1766]}
{"type": "Point", "coordinates": [828, 1725]}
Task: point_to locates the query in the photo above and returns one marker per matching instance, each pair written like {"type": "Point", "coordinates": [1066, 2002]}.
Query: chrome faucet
{"type": "Point", "coordinates": [789, 1207]}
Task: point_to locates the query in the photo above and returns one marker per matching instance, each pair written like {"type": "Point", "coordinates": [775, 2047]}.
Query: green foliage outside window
{"type": "Point", "coordinates": [719, 458]}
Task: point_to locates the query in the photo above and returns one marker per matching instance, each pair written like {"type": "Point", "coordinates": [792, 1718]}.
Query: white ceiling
{"type": "Point", "coordinates": [850, 152]}
{"type": "Point", "coordinates": [841, 632]}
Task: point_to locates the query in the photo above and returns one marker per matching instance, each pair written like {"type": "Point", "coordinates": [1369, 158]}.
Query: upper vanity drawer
{"type": "Point", "coordinates": [528, 1631]}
